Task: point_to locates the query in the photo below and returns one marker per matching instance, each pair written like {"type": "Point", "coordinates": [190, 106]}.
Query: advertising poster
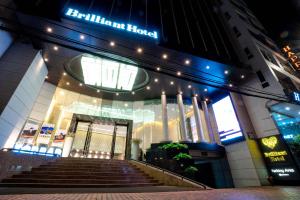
{"type": "Point", "coordinates": [59, 138]}
{"type": "Point", "coordinates": [278, 159]}
{"type": "Point", "coordinates": [27, 134]}
{"type": "Point", "coordinates": [227, 122]}
{"type": "Point", "coordinates": [45, 133]}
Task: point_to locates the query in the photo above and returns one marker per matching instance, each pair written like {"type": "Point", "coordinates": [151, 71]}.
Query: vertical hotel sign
{"type": "Point", "coordinates": [98, 20]}
{"type": "Point", "coordinates": [294, 59]}
{"type": "Point", "coordinates": [278, 159]}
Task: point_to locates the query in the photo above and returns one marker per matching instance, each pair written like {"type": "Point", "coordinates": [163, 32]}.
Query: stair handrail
{"type": "Point", "coordinates": [173, 173]}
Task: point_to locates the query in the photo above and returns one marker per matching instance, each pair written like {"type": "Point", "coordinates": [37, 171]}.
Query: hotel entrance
{"type": "Point", "coordinates": [101, 138]}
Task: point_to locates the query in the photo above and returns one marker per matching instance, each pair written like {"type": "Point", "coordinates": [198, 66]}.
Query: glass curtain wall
{"type": "Point", "coordinates": [146, 115]}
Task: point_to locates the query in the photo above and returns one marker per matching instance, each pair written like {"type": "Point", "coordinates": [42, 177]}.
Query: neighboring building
{"type": "Point", "coordinates": [273, 74]}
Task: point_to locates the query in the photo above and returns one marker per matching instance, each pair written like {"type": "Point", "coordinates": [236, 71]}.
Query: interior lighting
{"type": "Point", "coordinates": [171, 83]}
{"type": "Point", "coordinates": [82, 37]}
{"type": "Point", "coordinates": [178, 73]}
{"type": "Point", "coordinates": [165, 56]}
{"type": "Point", "coordinates": [187, 62]}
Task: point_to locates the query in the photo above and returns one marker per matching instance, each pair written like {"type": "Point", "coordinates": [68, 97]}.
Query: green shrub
{"type": "Point", "coordinates": [174, 145]}
{"type": "Point", "coordinates": [191, 170]}
{"type": "Point", "coordinates": [181, 156]}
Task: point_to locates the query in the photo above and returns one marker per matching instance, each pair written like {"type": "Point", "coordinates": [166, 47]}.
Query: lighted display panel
{"type": "Point", "coordinates": [108, 74]}
{"type": "Point", "coordinates": [227, 122]}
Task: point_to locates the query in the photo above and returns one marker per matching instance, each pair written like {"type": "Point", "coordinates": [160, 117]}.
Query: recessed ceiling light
{"type": "Point", "coordinates": [171, 83]}
{"type": "Point", "coordinates": [230, 85]}
{"type": "Point", "coordinates": [80, 84]}
{"type": "Point", "coordinates": [164, 56]}
{"type": "Point", "coordinates": [205, 90]}
{"type": "Point", "coordinates": [187, 62]}
{"type": "Point", "coordinates": [46, 59]}
{"type": "Point", "coordinates": [287, 108]}
{"type": "Point", "coordinates": [117, 94]}
{"type": "Point", "coordinates": [226, 72]}
{"type": "Point", "coordinates": [64, 73]}
{"type": "Point", "coordinates": [112, 43]}
{"type": "Point", "coordinates": [68, 83]}
{"type": "Point", "coordinates": [158, 68]}
{"type": "Point", "coordinates": [132, 92]}
{"type": "Point", "coordinates": [49, 30]}
{"type": "Point", "coordinates": [46, 77]}
{"type": "Point", "coordinates": [178, 73]}
{"type": "Point", "coordinates": [98, 91]}
{"type": "Point", "coordinates": [180, 92]}
{"type": "Point", "coordinates": [126, 105]}
{"type": "Point", "coordinates": [242, 76]}
{"type": "Point", "coordinates": [189, 86]}
{"type": "Point", "coordinates": [206, 99]}
{"type": "Point", "coordinates": [207, 67]}
{"type": "Point", "coordinates": [82, 37]}
{"type": "Point", "coordinates": [55, 48]}
{"type": "Point", "coordinates": [148, 88]}
{"type": "Point", "coordinates": [299, 113]}
{"type": "Point", "coordinates": [196, 95]}
{"type": "Point", "coordinates": [163, 92]}
{"type": "Point", "coordinates": [139, 50]}
{"type": "Point", "coordinates": [156, 80]}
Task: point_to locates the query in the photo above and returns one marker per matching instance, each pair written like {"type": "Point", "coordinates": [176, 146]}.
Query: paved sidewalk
{"type": "Point", "coordinates": [255, 193]}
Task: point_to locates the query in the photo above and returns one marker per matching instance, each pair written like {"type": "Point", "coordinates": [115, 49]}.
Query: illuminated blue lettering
{"type": "Point", "coordinates": [73, 13]}
{"type": "Point", "coordinates": [296, 96]}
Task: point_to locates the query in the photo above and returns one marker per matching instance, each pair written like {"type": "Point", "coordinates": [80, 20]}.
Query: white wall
{"type": "Point", "coordinates": [42, 102]}
{"type": "Point", "coordinates": [20, 104]}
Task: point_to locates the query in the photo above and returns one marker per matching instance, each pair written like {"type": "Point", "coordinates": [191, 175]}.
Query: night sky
{"type": "Point", "coordinates": [281, 18]}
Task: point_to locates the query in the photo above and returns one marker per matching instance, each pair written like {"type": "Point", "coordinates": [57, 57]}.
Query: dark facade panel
{"type": "Point", "coordinates": [190, 26]}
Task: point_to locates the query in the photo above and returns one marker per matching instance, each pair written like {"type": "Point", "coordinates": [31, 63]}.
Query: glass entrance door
{"type": "Point", "coordinates": [99, 140]}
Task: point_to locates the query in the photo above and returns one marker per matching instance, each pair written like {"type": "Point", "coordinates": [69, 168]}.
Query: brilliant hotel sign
{"type": "Point", "coordinates": [102, 21]}
{"type": "Point", "coordinates": [278, 159]}
{"type": "Point", "coordinates": [294, 59]}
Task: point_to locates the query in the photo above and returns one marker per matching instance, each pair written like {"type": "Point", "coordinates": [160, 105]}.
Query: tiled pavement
{"type": "Point", "coordinates": [261, 193]}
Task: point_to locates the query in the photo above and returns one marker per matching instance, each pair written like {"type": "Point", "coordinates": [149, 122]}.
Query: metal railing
{"type": "Point", "coordinates": [165, 171]}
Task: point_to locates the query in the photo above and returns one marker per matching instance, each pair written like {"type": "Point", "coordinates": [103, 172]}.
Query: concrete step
{"type": "Point", "coordinates": [72, 185]}
{"type": "Point", "coordinates": [69, 172]}
{"type": "Point", "coordinates": [80, 176]}
{"type": "Point", "coordinates": [78, 170]}
{"type": "Point", "coordinates": [76, 181]}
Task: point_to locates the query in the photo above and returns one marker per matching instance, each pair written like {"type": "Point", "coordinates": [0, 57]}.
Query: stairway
{"type": "Point", "coordinates": [82, 172]}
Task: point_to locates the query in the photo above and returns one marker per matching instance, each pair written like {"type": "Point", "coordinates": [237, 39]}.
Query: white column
{"type": "Point", "coordinates": [199, 128]}
{"type": "Point", "coordinates": [184, 136]}
{"type": "Point", "coordinates": [67, 146]}
{"type": "Point", "coordinates": [207, 119]}
{"type": "Point", "coordinates": [164, 117]}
